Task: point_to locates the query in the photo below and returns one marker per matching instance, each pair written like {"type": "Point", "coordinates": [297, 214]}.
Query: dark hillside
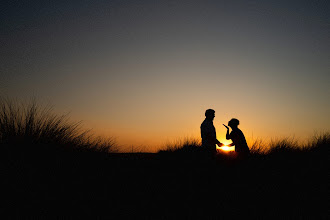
{"type": "Point", "coordinates": [63, 173]}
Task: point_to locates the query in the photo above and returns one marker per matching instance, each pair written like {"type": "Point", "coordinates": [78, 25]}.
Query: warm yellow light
{"type": "Point", "coordinates": [226, 148]}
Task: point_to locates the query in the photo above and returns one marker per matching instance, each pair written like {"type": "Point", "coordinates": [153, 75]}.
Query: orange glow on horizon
{"type": "Point", "coordinates": [227, 148]}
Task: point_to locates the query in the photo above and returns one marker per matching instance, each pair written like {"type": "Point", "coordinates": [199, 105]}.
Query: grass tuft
{"type": "Point", "coordinates": [33, 125]}
{"type": "Point", "coordinates": [184, 145]}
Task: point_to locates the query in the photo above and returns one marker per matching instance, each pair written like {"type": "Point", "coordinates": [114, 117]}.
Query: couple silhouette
{"type": "Point", "coordinates": [209, 137]}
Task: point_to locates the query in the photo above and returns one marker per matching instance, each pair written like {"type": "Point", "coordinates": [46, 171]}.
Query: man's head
{"type": "Point", "coordinates": [233, 123]}
{"type": "Point", "coordinates": [210, 114]}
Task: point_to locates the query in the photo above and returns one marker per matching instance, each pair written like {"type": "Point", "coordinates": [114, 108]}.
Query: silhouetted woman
{"type": "Point", "coordinates": [238, 139]}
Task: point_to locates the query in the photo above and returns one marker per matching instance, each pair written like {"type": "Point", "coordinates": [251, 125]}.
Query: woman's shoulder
{"type": "Point", "coordinates": [237, 132]}
{"type": "Point", "coordinates": [234, 133]}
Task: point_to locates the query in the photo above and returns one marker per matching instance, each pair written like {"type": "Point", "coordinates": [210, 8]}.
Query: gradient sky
{"type": "Point", "coordinates": [146, 71]}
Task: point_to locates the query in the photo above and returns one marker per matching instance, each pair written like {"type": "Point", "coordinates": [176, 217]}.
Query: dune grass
{"type": "Point", "coordinates": [259, 147]}
{"type": "Point", "coordinates": [32, 125]}
{"type": "Point", "coordinates": [182, 145]}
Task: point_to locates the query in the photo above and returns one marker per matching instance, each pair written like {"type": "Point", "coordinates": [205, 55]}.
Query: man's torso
{"type": "Point", "coordinates": [208, 134]}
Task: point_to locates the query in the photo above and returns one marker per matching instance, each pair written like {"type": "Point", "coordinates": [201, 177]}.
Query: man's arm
{"type": "Point", "coordinates": [208, 132]}
{"type": "Point", "coordinates": [218, 143]}
{"type": "Point", "coordinates": [209, 136]}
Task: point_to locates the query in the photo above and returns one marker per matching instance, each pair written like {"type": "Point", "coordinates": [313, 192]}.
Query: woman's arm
{"type": "Point", "coordinates": [227, 134]}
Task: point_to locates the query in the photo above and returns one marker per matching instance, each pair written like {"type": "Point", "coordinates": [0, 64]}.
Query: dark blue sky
{"type": "Point", "coordinates": [113, 62]}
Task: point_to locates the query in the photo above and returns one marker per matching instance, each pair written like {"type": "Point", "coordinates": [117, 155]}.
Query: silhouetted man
{"type": "Point", "coordinates": [209, 137]}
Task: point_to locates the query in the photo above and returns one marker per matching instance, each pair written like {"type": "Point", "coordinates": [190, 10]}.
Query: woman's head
{"type": "Point", "coordinates": [233, 123]}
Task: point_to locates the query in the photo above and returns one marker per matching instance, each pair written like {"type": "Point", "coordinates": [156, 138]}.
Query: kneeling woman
{"type": "Point", "coordinates": [238, 139]}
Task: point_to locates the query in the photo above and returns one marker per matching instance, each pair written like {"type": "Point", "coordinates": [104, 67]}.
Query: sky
{"type": "Point", "coordinates": [144, 72]}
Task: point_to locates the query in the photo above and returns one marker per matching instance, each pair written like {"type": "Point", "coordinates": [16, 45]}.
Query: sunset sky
{"type": "Point", "coordinates": [144, 72]}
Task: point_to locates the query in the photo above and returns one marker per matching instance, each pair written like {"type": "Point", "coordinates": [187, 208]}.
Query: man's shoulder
{"type": "Point", "coordinates": [207, 125]}
{"type": "Point", "coordinates": [206, 122]}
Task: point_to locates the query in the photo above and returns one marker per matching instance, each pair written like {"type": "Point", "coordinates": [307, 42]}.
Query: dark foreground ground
{"type": "Point", "coordinates": [165, 185]}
